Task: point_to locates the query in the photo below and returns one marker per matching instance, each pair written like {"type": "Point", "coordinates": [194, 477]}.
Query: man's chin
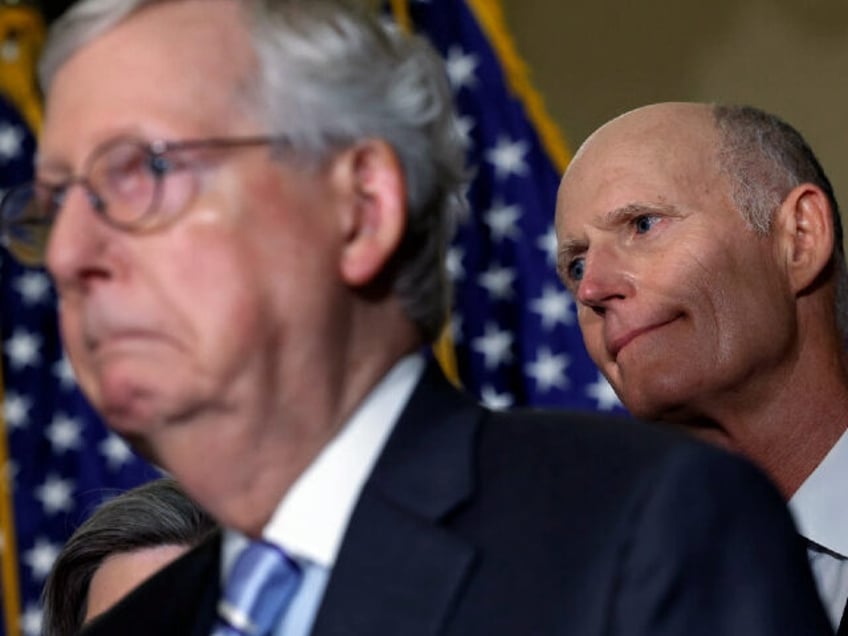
{"type": "Point", "coordinates": [681, 416]}
{"type": "Point", "coordinates": [131, 409]}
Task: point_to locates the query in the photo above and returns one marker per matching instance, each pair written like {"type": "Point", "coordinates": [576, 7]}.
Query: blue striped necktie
{"type": "Point", "coordinates": [258, 590]}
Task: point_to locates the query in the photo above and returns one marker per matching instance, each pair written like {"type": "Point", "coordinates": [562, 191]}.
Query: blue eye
{"type": "Point", "coordinates": [56, 198]}
{"type": "Point", "coordinates": [644, 223]}
{"type": "Point", "coordinates": [576, 269]}
{"type": "Point", "coordinates": [158, 165]}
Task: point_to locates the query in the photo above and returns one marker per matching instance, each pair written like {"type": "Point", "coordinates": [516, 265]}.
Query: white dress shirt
{"type": "Point", "coordinates": [820, 510]}
{"type": "Point", "coordinates": [310, 522]}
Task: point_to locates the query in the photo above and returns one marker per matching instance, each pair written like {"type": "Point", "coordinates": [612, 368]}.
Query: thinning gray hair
{"type": "Point", "coordinates": [765, 158]}
{"type": "Point", "coordinates": [331, 74]}
{"type": "Point", "coordinates": [155, 514]}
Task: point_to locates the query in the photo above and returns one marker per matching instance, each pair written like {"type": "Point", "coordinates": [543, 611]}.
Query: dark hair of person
{"type": "Point", "coordinates": [155, 514]}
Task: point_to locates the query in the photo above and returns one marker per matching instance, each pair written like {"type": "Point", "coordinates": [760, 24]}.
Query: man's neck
{"type": "Point", "coordinates": [786, 427]}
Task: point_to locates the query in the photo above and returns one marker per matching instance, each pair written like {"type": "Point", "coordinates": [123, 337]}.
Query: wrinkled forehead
{"type": "Point", "coordinates": [655, 155]}
{"type": "Point", "coordinates": [674, 139]}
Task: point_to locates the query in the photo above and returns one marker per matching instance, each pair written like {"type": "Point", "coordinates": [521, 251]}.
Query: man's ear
{"type": "Point", "coordinates": [805, 223]}
{"type": "Point", "coordinates": [375, 212]}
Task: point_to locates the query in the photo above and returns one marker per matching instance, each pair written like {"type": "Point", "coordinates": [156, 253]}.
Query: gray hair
{"type": "Point", "coordinates": [152, 515]}
{"type": "Point", "coordinates": [354, 79]}
{"type": "Point", "coordinates": [765, 158]}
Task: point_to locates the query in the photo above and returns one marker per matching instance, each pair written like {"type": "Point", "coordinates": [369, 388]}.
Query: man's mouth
{"type": "Point", "coordinates": [619, 343]}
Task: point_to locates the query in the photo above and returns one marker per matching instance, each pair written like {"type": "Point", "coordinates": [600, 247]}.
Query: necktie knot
{"type": "Point", "coordinates": [260, 586]}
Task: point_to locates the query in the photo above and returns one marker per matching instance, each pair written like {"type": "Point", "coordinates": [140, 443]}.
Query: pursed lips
{"type": "Point", "coordinates": [120, 337]}
{"type": "Point", "coordinates": [616, 344]}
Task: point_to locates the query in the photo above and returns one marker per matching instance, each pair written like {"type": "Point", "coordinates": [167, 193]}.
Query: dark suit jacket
{"type": "Point", "coordinates": [530, 523]}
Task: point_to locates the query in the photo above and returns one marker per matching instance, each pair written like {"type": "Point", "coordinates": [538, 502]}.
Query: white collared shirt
{"type": "Point", "coordinates": [310, 522]}
{"type": "Point", "coordinates": [820, 510]}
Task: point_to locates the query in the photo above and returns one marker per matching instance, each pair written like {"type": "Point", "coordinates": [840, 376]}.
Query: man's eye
{"type": "Point", "coordinates": [50, 198]}
{"type": "Point", "coordinates": [644, 223]}
{"type": "Point", "coordinates": [158, 165]}
{"type": "Point", "coordinates": [576, 269]}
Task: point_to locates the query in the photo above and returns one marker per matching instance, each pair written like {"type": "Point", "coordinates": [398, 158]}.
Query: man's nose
{"type": "Point", "coordinates": [77, 239]}
{"type": "Point", "coordinates": [605, 279]}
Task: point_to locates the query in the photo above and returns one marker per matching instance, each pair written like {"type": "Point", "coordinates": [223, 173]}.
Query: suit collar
{"type": "Point", "coordinates": [399, 571]}
{"type": "Point", "coordinates": [427, 465]}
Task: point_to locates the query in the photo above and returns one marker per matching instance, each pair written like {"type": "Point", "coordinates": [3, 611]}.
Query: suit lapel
{"type": "Point", "coordinates": [843, 624]}
{"type": "Point", "coordinates": [399, 570]}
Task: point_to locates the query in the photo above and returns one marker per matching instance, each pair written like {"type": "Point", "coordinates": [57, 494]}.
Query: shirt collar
{"type": "Point", "coordinates": [310, 521]}
{"type": "Point", "coordinates": [820, 505]}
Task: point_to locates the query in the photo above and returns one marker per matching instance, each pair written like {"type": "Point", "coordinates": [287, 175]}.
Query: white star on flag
{"type": "Point", "coordinates": [460, 68]}
{"type": "Point", "coordinates": [554, 307]}
{"type": "Point", "coordinates": [548, 244]}
{"type": "Point", "coordinates": [40, 558]}
{"type": "Point", "coordinates": [22, 349]}
{"type": "Point", "coordinates": [34, 287]}
{"type": "Point", "coordinates": [55, 495]}
{"type": "Point", "coordinates": [116, 451]}
{"type": "Point", "coordinates": [464, 125]}
{"type": "Point", "coordinates": [16, 410]}
{"type": "Point", "coordinates": [548, 370]}
{"type": "Point", "coordinates": [64, 372]}
{"type": "Point", "coordinates": [11, 139]}
{"type": "Point", "coordinates": [498, 282]}
{"type": "Point", "coordinates": [603, 393]}
{"type": "Point", "coordinates": [453, 262]}
{"type": "Point", "coordinates": [32, 620]}
{"type": "Point", "coordinates": [494, 400]}
{"type": "Point", "coordinates": [495, 345]}
{"type": "Point", "coordinates": [502, 221]}
{"type": "Point", "coordinates": [64, 433]}
{"type": "Point", "coordinates": [508, 157]}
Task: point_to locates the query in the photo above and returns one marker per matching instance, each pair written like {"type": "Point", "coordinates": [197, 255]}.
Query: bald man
{"type": "Point", "coordinates": [704, 247]}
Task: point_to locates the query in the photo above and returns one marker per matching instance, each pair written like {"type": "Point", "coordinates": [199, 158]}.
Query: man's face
{"type": "Point", "coordinates": [190, 319]}
{"type": "Point", "coordinates": [681, 305]}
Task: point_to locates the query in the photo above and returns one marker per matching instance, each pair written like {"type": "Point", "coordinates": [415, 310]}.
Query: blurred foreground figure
{"type": "Point", "coordinates": [704, 246]}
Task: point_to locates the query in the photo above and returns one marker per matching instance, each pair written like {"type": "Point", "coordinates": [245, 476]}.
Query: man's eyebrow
{"type": "Point", "coordinates": [631, 210]}
{"type": "Point", "coordinates": [568, 248]}
{"type": "Point", "coordinates": [52, 166]}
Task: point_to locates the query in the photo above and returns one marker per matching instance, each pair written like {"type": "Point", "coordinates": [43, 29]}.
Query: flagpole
{"type": "Point", "coordinates": [8, 560]}
{"type": "Point", "coordinates": [18, 85]}
{"type": "Point", "coordinates": [400, 10]}
{"type": "Point", "coordinates": [491, 20]}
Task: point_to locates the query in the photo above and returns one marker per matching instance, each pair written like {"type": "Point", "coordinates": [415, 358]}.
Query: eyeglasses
{"type": "Point", "coordinates": [133, 185]}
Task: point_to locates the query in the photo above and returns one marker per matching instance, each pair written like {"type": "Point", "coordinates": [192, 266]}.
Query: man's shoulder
{"type": "Point", "coordinates": [580, 434]}
{"type": "Point", "coordinates": [585, 456]}
{"type": "Point", "coordinates": [557, 446]}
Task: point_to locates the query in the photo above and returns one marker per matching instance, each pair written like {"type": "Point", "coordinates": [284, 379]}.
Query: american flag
{"type": "Point", "coordinates": [513, 324]}
{"type": "Point", "coordinates": [62, 461]}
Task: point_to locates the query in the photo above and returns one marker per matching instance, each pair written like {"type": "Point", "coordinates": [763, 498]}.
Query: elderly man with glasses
{"type": "Point", "coordinates": [245, 206]}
